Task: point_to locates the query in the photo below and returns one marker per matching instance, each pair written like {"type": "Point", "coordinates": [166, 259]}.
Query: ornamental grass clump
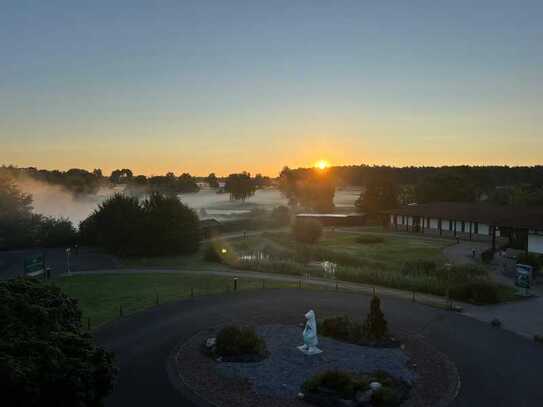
{"type": "Point", "coordinates": [375, 326]}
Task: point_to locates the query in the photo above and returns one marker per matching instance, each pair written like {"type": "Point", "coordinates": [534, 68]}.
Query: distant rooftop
{"type": "Point", "coordinates": [508, 216]}
{"type": "Point", "coordinates": [329, 215]}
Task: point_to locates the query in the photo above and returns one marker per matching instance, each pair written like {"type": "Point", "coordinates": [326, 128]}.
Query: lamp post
{"type": "Point", "coordinates": [68, 269]}
{"type": "Point", "coordinates": [448, 267]}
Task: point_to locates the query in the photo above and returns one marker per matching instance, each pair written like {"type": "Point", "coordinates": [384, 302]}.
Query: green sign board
{"type": "Point", "coordinates": [34, 264]}
{"type": "Point", "coordinates": [523, 281]}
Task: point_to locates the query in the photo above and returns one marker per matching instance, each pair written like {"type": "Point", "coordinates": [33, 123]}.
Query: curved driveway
{"type": "Point", "coordinates": [497, 368]}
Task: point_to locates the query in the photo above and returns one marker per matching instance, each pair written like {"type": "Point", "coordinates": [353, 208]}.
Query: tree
{"type": "Point", "coordinates": [55, 232]}
{"type": "Point", "coordinates": [117, 225]}
{"type": "Point", "coordinates": [121, 176]}
{"type": "Point", "coordinates": [307, 230]}
{"type": "Point", "coordinates": [446, 188]}
{"type": "Point", "coordinates": [380, 194]}
{"type": "Point", "coordinates": [375, 326]}
{"type": "Point", "coordinates": [212, 180]}
{"type": "Point", "coordinates": [45, 358]}
{"type": "Point", "coordinates": [309, 188]}
{"type": "Point", "coordinates": [240, 186]}
{"type": "Point", "coordinates": [171, 227]}
{"type": "Point", "coordinates": [16, 219]}
{"type": "Point", "coordinates": [161, 225]}
{"type": "Point", "coordinates": [261, 181]}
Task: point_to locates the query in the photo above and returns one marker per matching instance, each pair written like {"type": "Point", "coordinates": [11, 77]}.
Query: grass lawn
{"type": "Point", "coordinates": [101, 295]}
{"type": "Point", "coordinates": [343, 249]}
{"type": "Point", "coordinates": [391, 254]}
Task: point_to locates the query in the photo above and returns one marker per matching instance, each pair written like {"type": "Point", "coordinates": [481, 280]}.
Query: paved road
{"type": "Point", "coordinates": [498, 368]}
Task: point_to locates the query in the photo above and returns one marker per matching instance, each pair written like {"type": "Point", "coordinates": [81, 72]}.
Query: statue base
{"type": "Point", "coordinates": [309, 350]}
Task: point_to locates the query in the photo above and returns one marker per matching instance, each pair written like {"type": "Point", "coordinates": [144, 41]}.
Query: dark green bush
{"type": "Point", "coordinates": [45, 357]}
{"type": "Point", "coordinates": [344, 383]}
{"type": "Point", "coordinates": [478, 292]}
{"type": "Point", "coordinates": [211, 253]}
{"type": "Point", "coordinates": [487, 256]}
{"type": "Point", "coordinates": [342, 328]}
{"type": "Point", "coordinates": [338, 388]}
{"type": "Point", "coordinates": [307, 230]}
{"type": "Point", "coordinates": [369, 239]}
{"type": "Point", "coordinates": [385, 396]}
{"type": "Point", "coordinates": [234, 341]}
{"type": "Point", "coordinates": [530, 259]}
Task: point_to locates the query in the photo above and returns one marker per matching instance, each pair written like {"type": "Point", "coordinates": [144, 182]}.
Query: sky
{"type": "Point", "coordinates": [227, 86]}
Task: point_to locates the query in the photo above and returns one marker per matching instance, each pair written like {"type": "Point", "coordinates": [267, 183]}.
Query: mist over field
{"type": "Point", "coordinates": [54, 200]}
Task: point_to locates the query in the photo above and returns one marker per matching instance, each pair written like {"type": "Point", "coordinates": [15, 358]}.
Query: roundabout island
{"type": "Point", "coordinates": [440, 358]}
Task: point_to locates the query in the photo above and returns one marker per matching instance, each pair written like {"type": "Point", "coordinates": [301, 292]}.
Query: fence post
{"type": "Point", "coordinates": [235, 283]}
{"type": "Point", "coordinates": [120, 310]}
{"type": "Point", "coordinates": [374, 291]}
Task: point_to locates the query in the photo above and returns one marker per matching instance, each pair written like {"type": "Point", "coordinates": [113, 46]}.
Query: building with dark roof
{"type": "Point", "coordinates": [521, 226]}
{"type": "Point", "coordinates": [336, 219]}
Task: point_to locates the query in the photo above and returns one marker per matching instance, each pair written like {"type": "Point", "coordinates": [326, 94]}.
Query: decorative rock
{"type": "Point", "coordinates": [211, 342]}
{"type": "Point", "coordinates": [374, 386]}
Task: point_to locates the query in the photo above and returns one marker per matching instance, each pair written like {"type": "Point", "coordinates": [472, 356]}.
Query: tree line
{"type": "Point", "coordinates": [20, 227]}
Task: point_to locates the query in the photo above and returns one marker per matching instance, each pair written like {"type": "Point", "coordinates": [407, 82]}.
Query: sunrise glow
{"type": "Point", "coordinates": [322, 164]}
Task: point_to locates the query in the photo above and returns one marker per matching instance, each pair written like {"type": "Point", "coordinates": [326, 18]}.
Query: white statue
{"type": "Point", "coordinates": [310, 335]}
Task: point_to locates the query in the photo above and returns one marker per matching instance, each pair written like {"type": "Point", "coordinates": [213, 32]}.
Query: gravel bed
{"type": "Point", "coordinates": [284, 371]}
{"type": "Point", "coordinates": [434, 377]}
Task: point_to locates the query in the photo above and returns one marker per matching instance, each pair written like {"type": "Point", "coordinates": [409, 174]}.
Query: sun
{"type": "Point", "coordinates": [322, 164]}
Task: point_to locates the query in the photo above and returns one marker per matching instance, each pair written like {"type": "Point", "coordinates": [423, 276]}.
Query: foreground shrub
{"type": "Point", "coordinates": [339, 388]}
{"type": "Point", "coordinates": [342, 328]}
{"type": "Point", "coordinates": [45, 358]}
{"type": "Point", "coordinates": [369, 239]}
{"type": "Point", "coordinates": [373, 332]}
{"type": "Point", "coordinates": [233, 341]}
{"type": "Point", "coordinates": [480, 292]}
{"type": "Point", "coordinates": [344, 383]}
{"type": "Point", "coordinates": [307, 231]}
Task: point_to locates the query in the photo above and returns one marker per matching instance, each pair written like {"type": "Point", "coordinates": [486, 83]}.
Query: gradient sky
{"type": "Point", "coordinates": [227, 85]}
